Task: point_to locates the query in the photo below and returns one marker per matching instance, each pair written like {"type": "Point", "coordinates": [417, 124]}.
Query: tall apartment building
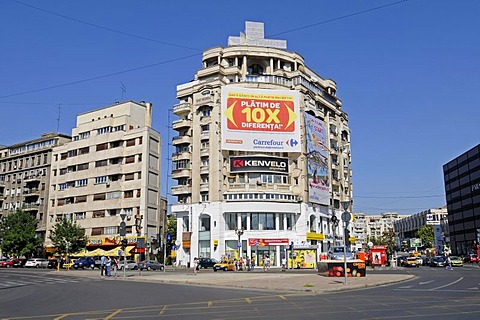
{"type": "Point", "coordinates": [110, 168]}
{"type": "Point", "coordinates": [462, 189]}
{"type": "Point", "coordinates": [366, 227]}
{"type": "Point", "coordinates": [262, 154]}
{"type": "Point", "coordinates": [25, 176]}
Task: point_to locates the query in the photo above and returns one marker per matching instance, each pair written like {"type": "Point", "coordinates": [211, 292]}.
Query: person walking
{"type": "Point", "coordinates": [115, 266]}
{"type": "Point", "coordinates": [196, 265]}
{"type": "Point", "coordinates": [103, 261]}
{"type": "Point", "coordinates": [448, 262]}
{"type": "Point", "coordinates": [108, 264]}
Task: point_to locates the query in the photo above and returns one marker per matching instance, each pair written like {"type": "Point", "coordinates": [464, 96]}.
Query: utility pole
{"type": "Point", "coordinates": [346, 216]}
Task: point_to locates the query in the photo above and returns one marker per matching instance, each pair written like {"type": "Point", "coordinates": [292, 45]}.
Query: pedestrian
{"type": "Point", "coordinates": [196, 265]}
{"type": "Point", "coordinates": [252, 263]}
{"type": "Point", "coordinates": [284, 264]}
{"type": "Point", "coordinates": [240, 264]}
{"type": "Point", "coordinates": [115, 266]}
{"type": "Point", "coordinates": [448, 262]}
{"type": "Point", "coordinates": [103, 261]}
{"type": "Point", "coordinates": [248, 264]}
{"type": "Point", "coordinates": [268, 263]}
{"type": "Point", "coordinates": [108, 264]}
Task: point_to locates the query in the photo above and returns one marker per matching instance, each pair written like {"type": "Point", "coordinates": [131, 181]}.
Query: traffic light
{"type": "Point", "coordinates": [347, 237]}
{"type": "Point", "coordinates": [124, 244]}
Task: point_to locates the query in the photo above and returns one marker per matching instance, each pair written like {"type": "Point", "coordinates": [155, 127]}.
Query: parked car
{"type": "Point", "coordinates": [473, 258]}
{"type": "Point", "coordinates": [150, 265]}
{"type": "Point", "coordinates": [336, 253]}
{"type": "Point", "coordinates": [129, 265]}
{"type": "Point", "coordinates": [456, 261]}
{"type": "Point", "coordinates": [207, 263]}
{"type": "Point", "coordinates": [7, 263]}
{"type": "Point", "coordinates": [438, 261]}
{"type": "Point", "coordinates": [69, 264]}
{"type": "Point", "coordinates": [84, 263]}
{"type": "Point", "coordinates": [19, 263]}
{"type": "Point", "coordinates": [36, 263]}
{"type": "Point", "coordinates": [412, 262]}
{"type": "Point", "coordinates": [224, 265]}
{"type": "Point", "coordinates": [52, 264]}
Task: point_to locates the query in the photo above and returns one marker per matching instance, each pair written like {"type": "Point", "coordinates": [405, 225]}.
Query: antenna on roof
{"type": "Point", "coordinates": [123, 89]}
{"type": "Point", "coordinates": [58, 118]}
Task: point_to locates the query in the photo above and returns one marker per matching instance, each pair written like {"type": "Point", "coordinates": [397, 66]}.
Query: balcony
{"type": "Point", "coordinates": [181, 124]}
{"type": "Point", "coordinates": [30, 192]}
{"type": "Point", "coordinates": [181, 190]}
{"type": "Point", "coordinates": [181, 173]}
{"type": "Point", "coordinates": [30, 206]}
{"type": "Point", "coordinates": [204, 187]}
{"type": "Point", "coordinates": [204, 152]}
{"type": "Point", "coordinates": [32, 178]}
{"type": "Point", "coordinates": [259, 187]}
{"type": "Point", "coordinates": [205, 72]}
{"type": "Point", "coordinates": [204, 169]}
{"type": "Point", "coordinates": [182, 108]}
{"type": "Point", "coordinates": [181, 156]}
{"type": "Point", "coordinates": [181, 139]}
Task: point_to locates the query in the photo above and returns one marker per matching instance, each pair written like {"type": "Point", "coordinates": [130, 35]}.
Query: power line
{"type": "Point", "coordinates": [149, 39]}
{"type": "Point", "coordinates": [338, 18]}
{"type": "Point", "coordinates": [99, 77]}
{"type": "Point", "coordinates": [105, 28]}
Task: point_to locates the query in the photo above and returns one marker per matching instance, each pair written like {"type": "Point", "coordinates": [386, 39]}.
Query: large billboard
{"type": "Point", "coordinates": [258, 164]}
{"type": "Point", "coordinates": [317, 160]}
{"type": "Point", "coordinates": [260, 120]}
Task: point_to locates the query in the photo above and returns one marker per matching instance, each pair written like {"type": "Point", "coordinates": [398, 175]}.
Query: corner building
{"type": "Point", "coordinates": [262, 155]}
{"type": "Point", "coordinates": [110, 168]}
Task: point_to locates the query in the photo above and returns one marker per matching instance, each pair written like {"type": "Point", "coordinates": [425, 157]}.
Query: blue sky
{"type": "Point", "coordinates": [406, 71]}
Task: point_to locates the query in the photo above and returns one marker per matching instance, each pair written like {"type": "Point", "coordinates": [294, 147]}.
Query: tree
{"type": "Point", "coordinates": [172, 226]}
{"type": "Point", "coordinates": [68, 237]}
{"type": "Point", "coordinates": [18, 235]}
{"type": "Point", "coordinates": [427, 235]}
{"type": "Point", "coordinates": [389, 239]}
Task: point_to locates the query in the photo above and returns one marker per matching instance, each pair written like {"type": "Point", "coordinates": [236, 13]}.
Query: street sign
{"type": "Point", "coordinates": [346, 216]}
{"type": "Point", "coordinates": [239, 245]}
{"type": "Point", "coordinates": [433, 223]}
{"type": "Point", "coordinates": [119, 253]}
{"type": "Point", "coordinates": [169, 237]}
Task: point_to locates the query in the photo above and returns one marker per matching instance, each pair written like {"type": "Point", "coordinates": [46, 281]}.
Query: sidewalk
{"type": "Point", "coordinates": [304, 281]}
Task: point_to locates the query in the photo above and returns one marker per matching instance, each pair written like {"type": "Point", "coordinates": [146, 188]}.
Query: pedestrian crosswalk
{"type": "Point", "coordinates": [7, 281]}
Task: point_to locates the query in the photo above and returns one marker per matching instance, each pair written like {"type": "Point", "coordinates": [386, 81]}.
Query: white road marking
{"type": "Point", "coordinates": [425, 282]}
{"type": "Point", "coordinates": [448, 284]}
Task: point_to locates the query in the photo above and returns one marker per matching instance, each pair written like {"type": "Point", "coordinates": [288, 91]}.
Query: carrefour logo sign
{"type": "Point", "coordinates": [258, 164]}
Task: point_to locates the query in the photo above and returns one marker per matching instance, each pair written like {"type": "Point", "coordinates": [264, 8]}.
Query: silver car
{"type": "Point", "coordinates": [336, 253]}
{"type": "Point", "coordinates": [128, 264]}
{"type": "Point", "coordinates": [36, 263]}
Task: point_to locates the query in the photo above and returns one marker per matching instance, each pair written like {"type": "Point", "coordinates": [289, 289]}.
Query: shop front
{"type": "Point", "coordinates": [274, 249]}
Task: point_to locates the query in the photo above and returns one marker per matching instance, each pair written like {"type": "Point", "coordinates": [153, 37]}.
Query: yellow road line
{"type": "Point", "coordinates": [113, 314]}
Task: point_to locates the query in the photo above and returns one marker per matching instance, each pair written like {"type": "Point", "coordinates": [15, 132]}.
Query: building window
{"type": "Point", "coordinates": [80, 215]}
{"type": "Point", "coordinates": [102, 179]}
{"type": "Point", "coordinates": [116, 144]}
{"type": "Point", "coordinates": [104, 130]}
{"type": "Point", "coordinates": [111, 230]}
{"type": "Point", "coordinates": [128, 194]}
{"type": "Point", "coordinates": [130, 159]}
{"type": "Point", "coordinates": [84, 150]}
{"type": "Point", "coordinates": [99, 196]}
{"type": "Point", "coordinates": [130, 142]}
{"type": "Point", "coordinates": [255, 69]}
{"type": "Point", "coordinates": [113, 195]}
{"type": "Point", "coordinates": [129, 176]}
{"type": "Point", "coordinates": [80, 199]}
{"type": "Point", "coordinates": [101, 163]}
{"type": "Point", "coordinates": [102, 146]}
{"type": "Point", "coordinates": [98, 214]}
{"type": "Point", "coordinates": [97, 231]}
{"type": "Point", "coordinates": [81, 183]}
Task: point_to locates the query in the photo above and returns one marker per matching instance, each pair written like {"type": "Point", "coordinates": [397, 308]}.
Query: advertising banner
{"type": "Point", "coordinates": [267, 242]}
{"type": "Point", "coordinates": [260, 120]}
{"type": "Point", "coordinates": [258, 164]}
{"type": "Point", "coordinates": [317, 160]}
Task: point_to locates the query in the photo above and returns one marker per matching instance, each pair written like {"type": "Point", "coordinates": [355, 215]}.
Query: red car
{"type": "Point", "coordinates": [7, 263]}
{"type": "Point", "coordinates": [474, 258]}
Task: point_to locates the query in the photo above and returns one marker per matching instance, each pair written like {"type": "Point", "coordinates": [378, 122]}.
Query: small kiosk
{"type": "Point", "coordinates": [378, 255]}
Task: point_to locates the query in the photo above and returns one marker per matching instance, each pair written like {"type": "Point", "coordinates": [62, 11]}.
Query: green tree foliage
{"type": "Point", "coordinates": [18, 235]}
{"type": "Point", "coordinates": [389, 239]}
{"type": "Point", "coordinates": [68, 237]}
{"type": "Point", "coordinates": [427, 235]}
{"type": "Point", "coordinates": [172, 226]}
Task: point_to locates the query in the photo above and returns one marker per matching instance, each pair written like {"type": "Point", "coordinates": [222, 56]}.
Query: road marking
{"type": "Point", "coordinates": [405, 287]}
{"type": "Point", "coordinates": [210, 304]}
{"type": "Point", "coordinates": [164, 309]}
{"type": "Point", "coordinates": [474, 288]}
{"type": "Point", "coordinates": [425, 282]}
{"type": "Point", "coordinates": [448, 284]}
{"type": "Point", "coordinates": [110, 316]}
{"type": "Point", "coordinates": [248, 300]}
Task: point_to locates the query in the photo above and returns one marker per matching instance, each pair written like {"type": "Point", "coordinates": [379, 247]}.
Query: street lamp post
{"type": "Point", "coordinates": [123, 233]}
{"type": "Point", "coordinates": [239, 233]}
{"type": "Point", "coordinates": [346, 216]}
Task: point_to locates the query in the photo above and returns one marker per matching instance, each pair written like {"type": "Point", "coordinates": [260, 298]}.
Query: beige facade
{"type": "Point", "coordinates": [25, 175]}
{"type": "Point", "coordinates": [111, 167]}
{"type": "Point", "coordinates": [214, 202]}
{"type": "Point", "coordinates": [366, 227]}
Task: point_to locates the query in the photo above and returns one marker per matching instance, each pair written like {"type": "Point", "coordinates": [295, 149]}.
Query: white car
{"type": "Point", "coordinates": [130, 265]}
{"type": "Point", "coordinates": [336, 253]}
{"type": "Point", "coordinates": [36, 263]}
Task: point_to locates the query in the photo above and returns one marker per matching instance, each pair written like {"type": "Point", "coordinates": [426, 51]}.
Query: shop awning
{"type": "Point", "coordinates": [114, 251]}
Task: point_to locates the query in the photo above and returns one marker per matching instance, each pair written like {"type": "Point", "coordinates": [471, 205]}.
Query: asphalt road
{"type": "Point", "coordinates": [435, 293]}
